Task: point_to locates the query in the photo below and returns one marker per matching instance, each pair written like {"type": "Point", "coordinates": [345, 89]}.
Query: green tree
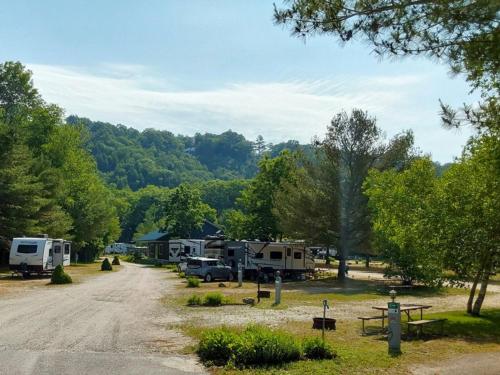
{"type": "Point", "coordinates": [307, 204]}
{"type": "Point", "coordinates": [403, 206]}
{"type": "Point", "coordinates": [466, 34]}
{"type": "Point", "coordinates": [185, 211]}
{"type": "Point", "coordinates": [257, 200]}
{"type": "Point", "coordinates": [469, 231]}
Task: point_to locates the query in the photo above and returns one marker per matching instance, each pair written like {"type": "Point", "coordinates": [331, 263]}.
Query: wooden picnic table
{"type": "Point", "coordinates": [406, 308]}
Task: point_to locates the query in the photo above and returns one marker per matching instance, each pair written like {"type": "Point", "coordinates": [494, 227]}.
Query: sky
{"type": "Point", "coordinates": [209, 66]}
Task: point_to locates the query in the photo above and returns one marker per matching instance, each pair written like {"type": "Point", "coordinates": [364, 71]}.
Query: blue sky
{"type": "Point", "coordinates": [209, 66]}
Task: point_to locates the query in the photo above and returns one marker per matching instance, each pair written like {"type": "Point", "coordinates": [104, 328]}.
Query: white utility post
{"type": "Point", "coordinates": [240, 273]}
{"type": "Point", "coordinates": [277, 288]}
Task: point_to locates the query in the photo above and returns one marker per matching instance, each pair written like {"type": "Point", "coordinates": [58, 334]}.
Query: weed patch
{"type": "Point", "coordinates": [193, 282]}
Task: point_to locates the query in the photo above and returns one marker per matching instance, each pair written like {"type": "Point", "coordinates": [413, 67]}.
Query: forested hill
{"type": "Point", "coordinates": [128, 157]}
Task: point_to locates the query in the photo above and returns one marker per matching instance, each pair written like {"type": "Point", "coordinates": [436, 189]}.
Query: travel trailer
{"type": "Point", "coordinates": [178, 250]}
{"type": "Point", "coordinates": [38, 254]}
{"type": "Point", "coordinates": [118, 248]}
{"type": "Point", "coordinates": [291, 259]}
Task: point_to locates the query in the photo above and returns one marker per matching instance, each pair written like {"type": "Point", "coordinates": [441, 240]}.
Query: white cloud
{"type": "Point", "coordinates": [298, 109]}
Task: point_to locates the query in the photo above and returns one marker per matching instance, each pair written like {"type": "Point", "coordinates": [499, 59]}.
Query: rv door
{"type": "Point", "coordinates": [57, 253]}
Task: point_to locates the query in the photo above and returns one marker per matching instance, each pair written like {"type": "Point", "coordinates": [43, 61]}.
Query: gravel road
{"type": "Point", "coordinates": [110, 324]}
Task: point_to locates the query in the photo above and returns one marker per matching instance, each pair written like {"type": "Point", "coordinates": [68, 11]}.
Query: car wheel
{"type": "Point", "coordinates": [230, 277]}
{"type": "Point", "coordinates": [208, 277]}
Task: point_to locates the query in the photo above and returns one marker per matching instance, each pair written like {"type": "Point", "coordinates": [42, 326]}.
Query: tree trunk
{"type": "Point", "coordinates": [327, 260]}
{"type": "Point", "coordinates": [367, 261]}
{"type": "Point", "coordinates": [472, 293]}
{"type": "Point", "coordinates": [476, 310]}
{"type": "Point", "coordinates": [341, 273]}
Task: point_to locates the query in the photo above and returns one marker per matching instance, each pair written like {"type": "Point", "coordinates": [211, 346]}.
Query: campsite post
{"type": "Point", "coordinates": [325, 306]}
{"type": "Point", "coordinates": [258, 284]}
{"type": "Point", "coordinates": [277, 288]}
{"type": "Point", "coordinates": [240, 273]}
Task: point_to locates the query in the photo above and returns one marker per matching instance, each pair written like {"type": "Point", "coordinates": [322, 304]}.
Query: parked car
{"type": "Point", "coordinates": [208, 269]}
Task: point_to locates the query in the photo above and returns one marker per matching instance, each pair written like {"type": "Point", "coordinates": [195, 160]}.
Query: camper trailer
{"type": "Point", "coordinates": [38, 254]}
{"type": "Point", "coordinates": [291, 259]}
{"type": "Point", "coordinates": [178, 250]}
{"type": "Point", "coordinates": [118, 248]}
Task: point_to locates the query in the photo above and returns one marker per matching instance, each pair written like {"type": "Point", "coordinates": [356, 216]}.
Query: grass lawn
{"type": "Point", "coordinates": [78, 272]}
{"type": "Point", "coordinates": [309, 293]}
{"type": "Point", "coordinates": [359, 354]}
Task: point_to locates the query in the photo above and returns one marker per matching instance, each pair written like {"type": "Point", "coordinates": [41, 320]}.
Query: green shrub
{"type": "Point", "coordinates": [194, 300]}
{"type": "Point", "coordinates": [255, 346]}
{"type": "Point", "coordinates": [158, 264]}
{"type": "Point", "coordinates": [106, 266]}
{"type": "Point", "coordinates": [182, 275]}
{"type": "Point", "coordinates": [315, 348]}
{"type": "Point", "coordinates": [116, 261]}
{"type": "Point", "coordinates": [60, 277]}
{"type": "Point", "coordinates": [217, 346]}
{"type": "Point", "coordinates": [263, 346]}
{"type": "Point", "coordinates": [193, 282]}
{"type": "Point", "coordinates": [213, 299]}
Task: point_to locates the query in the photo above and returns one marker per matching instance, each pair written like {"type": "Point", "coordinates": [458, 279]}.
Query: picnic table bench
{"type": "Point", "coordinates": [406, 308]}
{"type": "Point", "coordinates": [421, 323]}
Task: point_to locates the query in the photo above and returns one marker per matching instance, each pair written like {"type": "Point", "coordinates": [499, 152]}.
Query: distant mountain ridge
{"type": "Point", "coordinates": [127, 157]}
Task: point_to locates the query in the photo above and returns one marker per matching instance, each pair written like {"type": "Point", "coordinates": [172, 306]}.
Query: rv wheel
{"type": "Point", "coordinates": [26, 275]}
{"type": "Point", "coordinates": [208, 277]}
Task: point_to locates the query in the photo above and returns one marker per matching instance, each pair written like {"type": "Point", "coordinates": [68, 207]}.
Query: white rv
{"type": "Point", "coordinates": [38, 255]}
{"type": "Point", "coordinates": [179, 250]}
{"type": "Point", "coordinates": [118, 248]}
{"type": "Point", "coordinates": [291, 259]}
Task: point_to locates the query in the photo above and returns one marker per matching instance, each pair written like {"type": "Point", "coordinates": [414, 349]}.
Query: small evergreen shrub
{"type": "Point", "coordinates": [106, 266]}
{"type": "Point", "coordinates": [193, 282]}
{"type": "Point", "coordinates": [217, 346]}
{"type": "Point", "coordinates": [194, 300]}
{"type": "Point", "coordinates": [116, 261]}
{"type": "Point", "coordinates": [182, 275]}
{"type": "Point", "coordinates": [158, 264]}
{"type": "Point", "coordinates": [213, 299]}
{"type": "Point", "coordinates": [315, 348]}
{"type": "Point", "coordinates": [60, 277]}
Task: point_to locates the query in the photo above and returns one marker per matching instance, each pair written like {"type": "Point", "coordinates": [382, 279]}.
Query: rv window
{"type": "Point", "coordinates": [230, 252]}
{"type": "Point", "coordinates": [259, 255]}
{"type": "Point", "coordinates": [276, 255]}
{"type": "Point", "coordinates": [66, 249]}
{"type": "Point", "coordinates": [27, 249]}
{"type": "Point", "coordinates": [57, 249]}
{"type": "Point", "coordinates": [288, 252]}
{"type": "Point", "coordinates": [187, 249]}
{"type": "Point", "coordinates": [297, 255]}
{"type": "Point", "coordinates": [212, 263]}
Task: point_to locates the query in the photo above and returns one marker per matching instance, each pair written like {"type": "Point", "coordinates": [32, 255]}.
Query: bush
{"type": "Point", "coordinates": [194, 300]}
{"type": "Point", "coordinates": [106, 266]}
{"type": "Point", "coordinates": [193, 282]}
{"type": "Point", "coordinates": [158, 264]}
{"type": "Point", "coordinates": [316, 348]}
{"type": "Point", "coordinates": [255, 346]}
{"type": "Point", "coordinates": [263, 346]}
{"type": "Point", "coordinates": [213, 299]}
{"type": "Point", "coordinates": [60, 277]}
{"type": "Point", "coordinates": [217, 346]}
{"type": "Point", "coordinates": [116, 261]}
{"type": "Point", "coordinates": [182, 275]}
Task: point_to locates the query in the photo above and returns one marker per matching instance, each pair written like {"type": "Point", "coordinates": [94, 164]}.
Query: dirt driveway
{"type": "Point", "coordinates": [110, 324]}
